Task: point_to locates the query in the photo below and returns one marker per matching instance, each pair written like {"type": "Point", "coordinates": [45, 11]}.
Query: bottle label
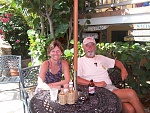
{"type": "Point", "coordinates": [91, 90]}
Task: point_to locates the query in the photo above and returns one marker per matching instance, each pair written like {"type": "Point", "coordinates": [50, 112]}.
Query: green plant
{"type": "Point", "coordinates": [13, 27]}
{"type": "Point", "coordinates": [38, 47]}
{"type": "Point", "coordinates": [17, 37]}
{"type": "Point", "coordinates": [131, 55]}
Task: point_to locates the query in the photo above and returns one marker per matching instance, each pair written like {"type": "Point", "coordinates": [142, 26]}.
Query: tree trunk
{"type": "Point", "coordinates": [50, 25]}
{"type": "Point", "coordinates": [42, 26]}
{"type": "Point", "coordinates": [70, 32]}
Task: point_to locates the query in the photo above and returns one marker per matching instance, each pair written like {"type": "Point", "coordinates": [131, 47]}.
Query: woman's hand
{"type": "Point", "coordinates": [100, 84]}
{"type": "Point", "coordinates": [52, 85]}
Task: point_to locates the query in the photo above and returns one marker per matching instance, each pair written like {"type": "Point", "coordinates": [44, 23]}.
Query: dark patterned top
{"type": "Point", "coordinates": [51, 78]}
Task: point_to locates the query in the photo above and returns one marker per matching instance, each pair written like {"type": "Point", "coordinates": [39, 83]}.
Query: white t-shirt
{"type": "Point", "coordinates": [95, 68]}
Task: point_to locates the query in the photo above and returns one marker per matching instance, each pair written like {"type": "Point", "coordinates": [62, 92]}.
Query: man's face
{"type": "Point", "coordinates": [90, 49]}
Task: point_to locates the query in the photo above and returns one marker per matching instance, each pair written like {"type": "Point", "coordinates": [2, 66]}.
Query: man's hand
{"type": "Point", "coordinates": [100, 84]}
{"type": "Point", "coordinates": [124, 74]}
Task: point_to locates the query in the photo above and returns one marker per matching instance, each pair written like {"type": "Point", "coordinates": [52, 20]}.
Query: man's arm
{"type": "Point", "coordinates": [124, 72]}
{"type": "Point", "coordinates": [82, 81]}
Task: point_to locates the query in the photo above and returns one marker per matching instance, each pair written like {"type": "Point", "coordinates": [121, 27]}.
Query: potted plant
{"type": "Point", "coordinates": [14, 72]}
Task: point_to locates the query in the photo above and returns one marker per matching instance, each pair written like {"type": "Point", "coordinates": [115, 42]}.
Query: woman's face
{"type": "Point", "coordinates": [56, 53]}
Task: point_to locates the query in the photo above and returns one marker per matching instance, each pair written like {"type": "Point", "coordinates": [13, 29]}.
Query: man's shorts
{"type": "Point", "coordinates": [110, 87]}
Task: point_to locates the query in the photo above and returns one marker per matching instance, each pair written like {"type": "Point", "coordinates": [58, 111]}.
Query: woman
{"type": "Point", "coordinates": [51, 70]}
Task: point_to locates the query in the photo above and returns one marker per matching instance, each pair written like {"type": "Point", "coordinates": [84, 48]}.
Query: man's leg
{"type": "Point", "coordinates": [128, 108]}
{"type": "Point", "coordinates": [130, 96]}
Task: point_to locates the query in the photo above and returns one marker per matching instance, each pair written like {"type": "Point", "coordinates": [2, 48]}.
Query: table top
{"type": "Point", "coordinates": [104, 101]}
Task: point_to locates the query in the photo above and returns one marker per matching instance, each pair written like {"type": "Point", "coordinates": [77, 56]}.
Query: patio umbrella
{"type": "Point", "coordinates": [75, 41]}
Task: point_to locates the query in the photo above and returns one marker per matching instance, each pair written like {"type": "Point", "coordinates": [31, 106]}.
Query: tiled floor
{"type": "Point", "coordinates": [13, 106]}
{"type": "Point", "coordinates": [10, 100]}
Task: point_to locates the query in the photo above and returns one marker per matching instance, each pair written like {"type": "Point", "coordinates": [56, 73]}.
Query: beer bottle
{"type": "Point", "coordinates": [91, 88]}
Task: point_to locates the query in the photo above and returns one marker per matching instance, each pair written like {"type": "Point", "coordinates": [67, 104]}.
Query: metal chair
{"type": "Point", "coordinates": [7, 63]}
{"type": "Point", "coordinates": [29, 77]}
{"type": "Point", "coordinates": [115, 76]}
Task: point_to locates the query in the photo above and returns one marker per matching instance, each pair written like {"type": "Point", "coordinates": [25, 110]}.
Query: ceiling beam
{"type": "Point", "coordinates": [123, 19]}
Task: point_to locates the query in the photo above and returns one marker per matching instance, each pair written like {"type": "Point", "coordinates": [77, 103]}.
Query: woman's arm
{"type": "Point", "coordinates": [42, 74]}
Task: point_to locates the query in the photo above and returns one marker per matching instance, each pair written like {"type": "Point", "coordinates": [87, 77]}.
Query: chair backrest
{"type": "Point", "coordinates": [29, 76]}
{"type": "Point", "coordinates": [8, 62]}
{"type": "Point", "coordinates": [115, 76]}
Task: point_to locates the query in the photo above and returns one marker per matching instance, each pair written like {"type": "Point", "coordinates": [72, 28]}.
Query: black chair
{"type": "Point", "coordinates": [29, 77]}
{"type": "Point", "coordinates": [115, 76]}
{"type": "Point", "coordinates": [10, 66]}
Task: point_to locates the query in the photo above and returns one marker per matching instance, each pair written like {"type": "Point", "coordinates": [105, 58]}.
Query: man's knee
{"type": "Point", "coordinates": [127, 95]}
{"type": "Point", "coordinates": [132, 94]}
{"type": "Point", "coordinates": [127, 92]}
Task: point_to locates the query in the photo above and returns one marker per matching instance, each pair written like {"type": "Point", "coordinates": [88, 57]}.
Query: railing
{"type": "Point", "coordinates": [103, 5]}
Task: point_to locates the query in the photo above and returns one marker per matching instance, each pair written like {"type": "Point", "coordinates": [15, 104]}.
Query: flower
{"type": "Point", "coordinates": [1, 31]}
{"type": "Point", "coordinates": [17, 41]}
{"type": "Point", "coordinates": [2, 37]}
{"type": "Point", "coordinates": [5, 20]}
{"type": "Point", "coordinates": [7, 15]}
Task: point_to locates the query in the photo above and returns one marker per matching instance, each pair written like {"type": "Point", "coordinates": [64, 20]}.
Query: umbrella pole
{"type": "Point", "coordinates": [75, 41]}
{"type": "Point", "coordinates": [75, 80]}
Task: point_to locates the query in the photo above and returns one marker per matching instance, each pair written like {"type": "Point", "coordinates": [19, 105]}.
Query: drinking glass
{"type": "Point", "coordinates": [53, 94]}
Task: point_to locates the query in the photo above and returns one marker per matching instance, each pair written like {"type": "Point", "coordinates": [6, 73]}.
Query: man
{"type": "Point", "coordinates": [95, 67]}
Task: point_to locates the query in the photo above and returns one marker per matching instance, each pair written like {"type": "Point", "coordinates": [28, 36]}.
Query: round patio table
{"type": "Point", "coordinates": [104, 101]}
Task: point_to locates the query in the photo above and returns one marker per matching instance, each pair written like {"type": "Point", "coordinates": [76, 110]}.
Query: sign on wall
{"type": "Point", "coordinates": [96, 28]}
{"type": "Point", "coordinates": [94, 35]}
{"type": "Point", "coordinates": [141, 26]}
{"type": "Point", "coordinates": [140, 39]}
{"type": "Point", "coordinates": [139, 32]}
